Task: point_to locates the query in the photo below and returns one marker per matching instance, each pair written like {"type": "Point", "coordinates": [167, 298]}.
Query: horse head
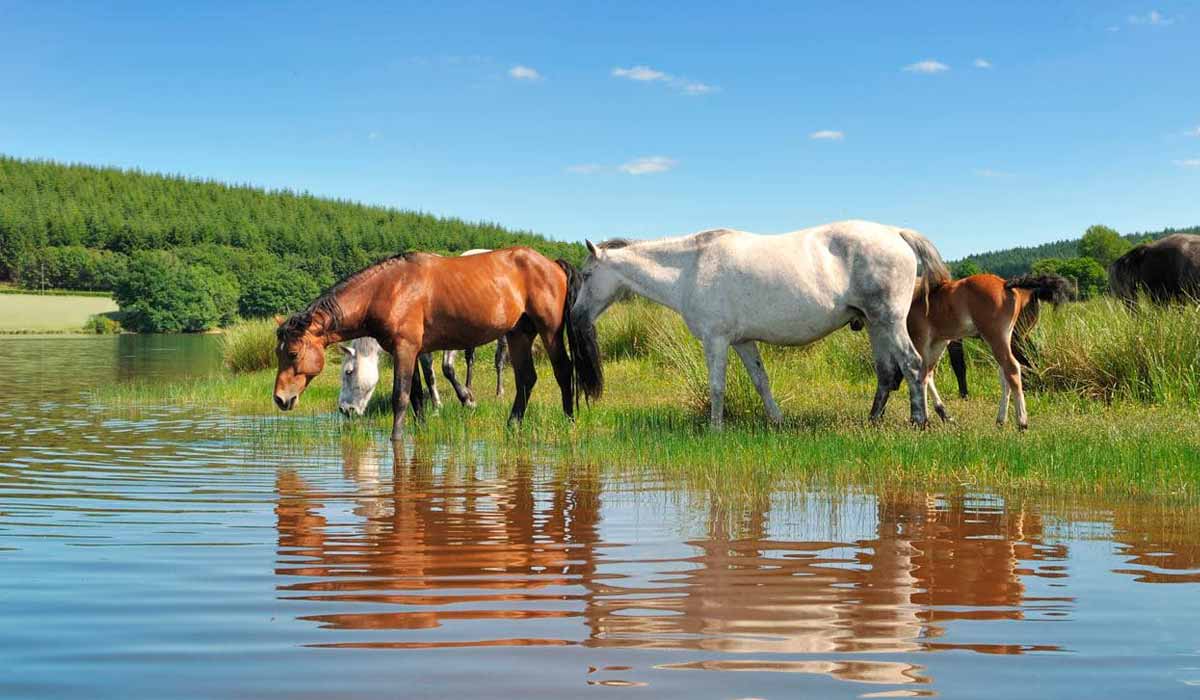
{"type": "Point", "coordinates": [300, 353]}
{"type": "Point", "coordinates": [360, 375]}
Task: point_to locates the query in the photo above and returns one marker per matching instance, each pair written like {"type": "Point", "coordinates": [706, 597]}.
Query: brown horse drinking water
{"type": "Point", "coordinates": [417, 303]}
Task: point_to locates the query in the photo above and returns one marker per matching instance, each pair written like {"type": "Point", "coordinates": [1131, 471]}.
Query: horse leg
{"type": "Point", "coordinates": [751, 358]}
{"type": "Point", "coordinates": [556, 349]}
{"type": "Point", "coordinates": [469, 355]}
{"type": "Point", "coordinates": [958, 362]}
{"type": "Point", "coordinates": [520, 345]}
{"type": "Point", "coordinates": [930, 365]}
{"type": "Point", "coordinates": [426, 360]}
{"type": "Point", "coordinates": [463, 393]}
{"type": "Point", "coordinates": [716, 355]}
{"type": "Point", "coordinates": [404, 359]}
{"type": "Point", "coordinates": [1010, 379]}
{"type": "Point", "coordinates": [894, 352]}
{"type": "Point", "coordinates": [416, 397]}
{"type": "Point", "coordinates": [501, 356]}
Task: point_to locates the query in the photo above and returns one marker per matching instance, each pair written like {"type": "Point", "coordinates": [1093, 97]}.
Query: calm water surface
{"type": "Point", "coordinates": [159, 554]}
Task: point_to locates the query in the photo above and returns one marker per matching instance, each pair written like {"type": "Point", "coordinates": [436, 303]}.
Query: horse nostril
{"type": "Point", "coordinates": [279, 402]}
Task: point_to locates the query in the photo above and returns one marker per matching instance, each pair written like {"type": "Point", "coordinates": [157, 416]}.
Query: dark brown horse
{"type": "Point", "coordinates": [1165, 270]}
{"type": "Point", "coordinates": [417, 303]}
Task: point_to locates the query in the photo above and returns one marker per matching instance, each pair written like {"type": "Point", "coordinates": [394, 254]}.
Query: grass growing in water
{"type": "Point", "coordinates": [653, 413]}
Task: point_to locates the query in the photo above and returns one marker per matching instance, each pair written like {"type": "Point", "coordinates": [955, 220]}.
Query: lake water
{"type": "Point", "coordinates": [161, 554]}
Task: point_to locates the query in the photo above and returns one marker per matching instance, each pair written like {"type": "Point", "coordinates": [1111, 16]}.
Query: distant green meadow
{"type": "Point", "coordinates": [50, 313]}
{"type": "Point", "coordinates": [1113, 409]}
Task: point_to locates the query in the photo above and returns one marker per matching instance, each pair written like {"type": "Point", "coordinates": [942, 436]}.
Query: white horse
{"type": "Point", "coordinates": [360, 370]}
{"type": "Point", "coordinates": [737, 288]}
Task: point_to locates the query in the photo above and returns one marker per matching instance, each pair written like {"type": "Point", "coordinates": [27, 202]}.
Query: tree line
{"type": "Point", "coordinates": [1083, 260]}
{"type": "Point", "coordinates": [183, 254]}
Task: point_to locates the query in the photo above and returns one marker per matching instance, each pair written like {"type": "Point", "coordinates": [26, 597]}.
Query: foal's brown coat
{"type": "Point", "coordinates": [419, 303]}
{"type": "Point", "coordinates": [987, 306]}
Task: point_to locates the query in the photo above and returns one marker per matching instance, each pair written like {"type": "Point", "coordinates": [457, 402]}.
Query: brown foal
{"type": "Point", "coordinates": [417, 303]}
{"type": "Point", "coordinates": [988, 307]}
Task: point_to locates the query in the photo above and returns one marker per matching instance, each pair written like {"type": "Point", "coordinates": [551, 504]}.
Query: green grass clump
{"type": "Point", "coordinates": [249, 346]}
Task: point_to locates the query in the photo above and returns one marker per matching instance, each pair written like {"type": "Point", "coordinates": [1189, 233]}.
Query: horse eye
{"type": "Point", "coordinates": [349, 370]}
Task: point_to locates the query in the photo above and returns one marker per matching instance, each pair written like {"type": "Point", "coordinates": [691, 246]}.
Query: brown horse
{"type": "Point", "coordinates": [987, 306]}
{"type": "Point", "coordinates": [417, 303]}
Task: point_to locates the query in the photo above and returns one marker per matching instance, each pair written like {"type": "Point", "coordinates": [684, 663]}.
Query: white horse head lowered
{"type": "Point", "coordinates": [360, 374]}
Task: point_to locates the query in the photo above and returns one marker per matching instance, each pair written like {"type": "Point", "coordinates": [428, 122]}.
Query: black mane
{"type": "Point", "coordinates": [327, 304]}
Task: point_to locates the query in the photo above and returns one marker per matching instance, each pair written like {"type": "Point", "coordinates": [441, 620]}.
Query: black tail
{"type": "Point", "coordinates": [584, 350]}
{"type": "Point", "coordinates": [1052, 288]}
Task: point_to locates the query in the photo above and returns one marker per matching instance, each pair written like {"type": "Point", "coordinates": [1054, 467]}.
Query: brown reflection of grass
{"type": "Point", "coordinates": [1163, 540]}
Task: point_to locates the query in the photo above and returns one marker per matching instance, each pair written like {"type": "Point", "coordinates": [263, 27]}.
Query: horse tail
{"type": "Point", "coordinates": [588, 376]}
{"type": "Point", "coordinates": [1055, 289]}
{"type": "Point", "coordinates": [932, 270]}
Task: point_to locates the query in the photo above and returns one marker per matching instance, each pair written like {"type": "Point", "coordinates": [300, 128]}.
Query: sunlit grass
{"type": "Point", "coordinates": [650, 420]}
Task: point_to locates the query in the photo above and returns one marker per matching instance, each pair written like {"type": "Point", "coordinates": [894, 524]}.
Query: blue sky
{"type": "Point", "coordinates": [984, 125]}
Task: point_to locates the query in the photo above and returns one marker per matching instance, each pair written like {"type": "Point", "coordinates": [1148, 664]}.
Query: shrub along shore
{"type": "Point", "coordinates": [1112, 410]}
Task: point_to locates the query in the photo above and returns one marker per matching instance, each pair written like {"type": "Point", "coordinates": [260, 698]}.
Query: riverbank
{"type": "Point", "coordinates": [1083, 439]}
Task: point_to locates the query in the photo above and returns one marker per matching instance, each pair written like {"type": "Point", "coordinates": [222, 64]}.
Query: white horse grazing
{"type": "Point", "coordinates": [360, 371]}
{"type": "Point", "coordinates": [360, 374]}
{"type": "Point", "coordinates": [737, 288]}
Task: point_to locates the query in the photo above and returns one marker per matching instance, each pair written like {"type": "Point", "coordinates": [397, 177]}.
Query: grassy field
{"type": "Point", "coordinates": [1116, 428]}
{"type": "Point", "coordinates": [36, 313]}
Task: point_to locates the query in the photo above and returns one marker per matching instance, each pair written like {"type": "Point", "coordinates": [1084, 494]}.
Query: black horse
{"type": "Point", "coordinates": [1164, 270]}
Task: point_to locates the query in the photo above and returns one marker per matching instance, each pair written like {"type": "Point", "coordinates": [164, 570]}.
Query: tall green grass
{"type": "Point", "coordinates": [249, 346]}
{"type": "Point", "coordinates": [1104, 350]}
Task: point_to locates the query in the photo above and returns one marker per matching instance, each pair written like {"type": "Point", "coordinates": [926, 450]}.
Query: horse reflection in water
{"type": "Point", "coordinates": [513, 556]}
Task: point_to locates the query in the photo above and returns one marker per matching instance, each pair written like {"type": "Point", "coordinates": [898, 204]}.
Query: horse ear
{"type": "Point", "coordinates": [349, 351]}
{"type": "Point", "coordinates": [279, 320]}
{"type": "Point", "coordinates": [591, 248]}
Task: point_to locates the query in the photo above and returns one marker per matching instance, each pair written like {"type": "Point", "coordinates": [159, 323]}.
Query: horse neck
{"type": "Point", "coordinates": [653, 271]}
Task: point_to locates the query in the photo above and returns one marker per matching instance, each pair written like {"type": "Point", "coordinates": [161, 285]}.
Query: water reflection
{"type": "Point", "coordinates": [459, 555]}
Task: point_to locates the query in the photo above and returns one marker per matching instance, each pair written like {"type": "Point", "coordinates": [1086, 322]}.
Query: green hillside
{"type": "Point", "coordinates": [115, 212]}
{"type": "Point", "coordinates": [181, 254]}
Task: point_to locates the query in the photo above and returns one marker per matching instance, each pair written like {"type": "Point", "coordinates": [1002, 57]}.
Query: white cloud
{"type": "Point", "coordinates": [641, 73]}
{"type": "Point", "coordinates": [646, 74]}
{"type": "Point", "coordinates": [649, 165]}
{"type": "Point", "coordinates": [989, 172]}
{"type": "Point", "coordinates": [982, 63]}
{"type": "Point", "coordinates": [694, 88]}
{"type": "Point", "coordinates": [1113, 28]}
{"type": "Point", "coordinates": [1188, 163]}
{"type": "Point", "coordinates": [1193, 132]}
{"type": "Point", "coordinates": [585, 168]}
{"type": "Point", "coordinates": [827, 135]}
{"type": "Point", "coordinates": [374, 136]}
{"type": "Point", "coordinates": [928, 66]}
{"type": "Point", "coordinates": [1153, 18]}
{"type": "Point", "coordinates": [524, 73]}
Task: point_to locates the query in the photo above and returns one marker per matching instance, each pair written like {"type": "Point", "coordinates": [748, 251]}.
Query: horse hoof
{"type": "Point", "coordinates": [1022, 427]}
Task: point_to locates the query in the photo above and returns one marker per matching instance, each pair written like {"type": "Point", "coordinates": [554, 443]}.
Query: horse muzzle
{"type": "Point", "coordinates": [286, 404]}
